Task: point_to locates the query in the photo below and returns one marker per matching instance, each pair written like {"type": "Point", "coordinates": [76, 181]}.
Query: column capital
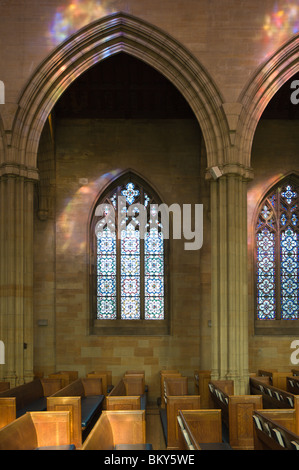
{"type": "Point", "coordinates": [18, 170]}
{"type": "Point", "coordinates": [217, 171]}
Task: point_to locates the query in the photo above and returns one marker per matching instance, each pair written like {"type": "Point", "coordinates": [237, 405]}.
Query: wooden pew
{"type": "Point", "coordinates": [66, 376]}
{"type": "Point", "coordinates": [200, 430]}
{"type": "Point", "coordinates": [202, 379]}
{"type": "Point", "coordinates": [40, 430]}
{"type": "Point", "coordinates": [106, 376]}
{"type": "Point", "coordinates": [236, 412]}
{"type": "Point", "coordinates": [119, 430]}
{"type": "Point", "coordinates": [276, 429]}
{"type": "Point", "coordinates": [277, 379]}
{"type": "Point", "coordinates": [176, 398]}
{"type": "Point", "coordinates": [293, 385]}
{"type": "Point", "coordinates": [84, 399]}
{"type": "Point", "coordinates": [4, 386]}
{"type": "Point", "coordinates": [128, 394]}
{"type": "Point", "coordinates": [31, 396]}
{"type": "Point", "coordinates": [163, 374]}
{"type": "Point", "coordinates": [273, 397]}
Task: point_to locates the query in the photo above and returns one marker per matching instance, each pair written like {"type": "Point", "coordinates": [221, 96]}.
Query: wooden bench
{"type": "Point", "coordinates": [118, 430]}
{"type": "Point", "coordinates": [40, 430]}
{"type": "Point", "coordinates": [277, 379]}
{"type": "Point", "coordinates": [128, 394]}
{"type": "Point", "coordinates": [163, 374]}
{"type": "Point", "coordinates": [200, 430]}
{"type": "Point", "coordinates": [4, 386]}
{"type": "Point", "coordinates": [31, 396]}
{"type": "Point", "coordinates": [236, 413]}
{"type": "Point", "coordinates": [276, 429]}
{"type": "Point", "coordinates": [202, 379]}
{"type": "Point", "coordinates": [66, 376]}
{"type": "Point", "coordinates": [273, 397]}
{"type": "Point", "coordinates": [106, 377]}
{"type": "Point", "coordinates": [176, 398]}
{"type": "Point", "coordinates": [84, 399]}
{"type": "Point", "coordinates": [293, 385]}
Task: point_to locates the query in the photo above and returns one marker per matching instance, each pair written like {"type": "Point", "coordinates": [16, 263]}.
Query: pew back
{"type": "Point", "coordinates": [277, 379]}
{"type": "Point", "coordinates": [16, 399]}
{"type": "Point", "coordinates": [274, 430]}
{"type": "Point", "coordinates": [163, 375]}
{"type": "Point", "coordinates": [273, 397]}
{"type": "Point", "coordinates": [201, 387]}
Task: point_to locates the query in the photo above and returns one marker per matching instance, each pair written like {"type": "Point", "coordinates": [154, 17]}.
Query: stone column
{"type": "Point", "coordinates": [229, 303]}
{"type": "Point", "coordinates": [16, 315]}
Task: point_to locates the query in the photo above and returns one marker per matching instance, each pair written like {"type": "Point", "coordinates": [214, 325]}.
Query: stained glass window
{"type": "Point", "coordinates": [277, 254]}
{"type": "Point", "coordinates": [130, 265]}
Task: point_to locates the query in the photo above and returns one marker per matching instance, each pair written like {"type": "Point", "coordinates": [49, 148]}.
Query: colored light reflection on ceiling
{"type": "Point", "coordinates": [75, 15]}
{"type": "Point", "coordinates": [281, 24]}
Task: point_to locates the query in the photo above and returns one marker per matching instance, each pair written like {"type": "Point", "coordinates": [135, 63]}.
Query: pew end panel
{"type": "Point", "coordinates": [117, 428]}
{"type": "Point", "coordinates": [123, 403]}
{"type": "Point", "coordinates": [174, 404]}
{"type": "Point", "coordinates": [201, 387]}
{"type": "Point", "coordinates": [72, 404]}
{"type": "Point", "coordinates": [4, 386]}
{"type": "Point", "coordinates": [240, 410]}
{"type": "Point", "coordinates": [8, 410]}
{"type": "Point", "coordinates": [197, 427]}
{"type": "Point", "coordinates": [35, 430]}
{"type": "Point", "coordinates": [163, 375]}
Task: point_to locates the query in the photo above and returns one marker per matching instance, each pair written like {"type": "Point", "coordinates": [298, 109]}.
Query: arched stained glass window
{"type": "Point", "coordinates": [277, 253]}
{"type": "Point", "coordinates": [128, 257]}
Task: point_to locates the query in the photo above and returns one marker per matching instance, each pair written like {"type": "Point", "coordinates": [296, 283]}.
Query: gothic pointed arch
{"type": "Point", "coordinates": [128, 257]}
{"type": "Point", "coordinates": [118, 32]}
{"type": "Point", "coordinates": [261, 88]}
{"type": "Point", "coordinates": [277, 258]}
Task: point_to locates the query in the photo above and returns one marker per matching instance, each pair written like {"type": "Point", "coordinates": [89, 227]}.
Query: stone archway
{"type": "Point", "coordinates": [119, 32]}
{"type": "Point", "coordinates": [261, 88]}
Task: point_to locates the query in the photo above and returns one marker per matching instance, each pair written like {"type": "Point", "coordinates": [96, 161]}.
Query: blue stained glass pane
{"type": "Point", "coordinates": [106, 242]}
{"type": "Point", "coordinates": [106, 265]}
{"type": "Point", "coordinates": [154, 308]}
{"type": "Point", "coordinates": [288, 194]}
{"type": "Point", "coordinates": [266, 307]}
{"type": "Point", "coordinates": [130, 193]}
{"type": "Point", "coordinates": [130, 265]}
{"type": "Point", "coordinates": [130, 308]}
{"type": "Point", "coordinates": [106, 286]}
{"type": "Point", "coordinates": [289, 274]}
{"type": "Point", "coordinates": [154, 265]}
{"type": "Point", "coordinates": [153, 242]}
{"type": "Point", "coordinates": [154, 286]}
{"type": "Point", "coordinates": [106, 308]}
